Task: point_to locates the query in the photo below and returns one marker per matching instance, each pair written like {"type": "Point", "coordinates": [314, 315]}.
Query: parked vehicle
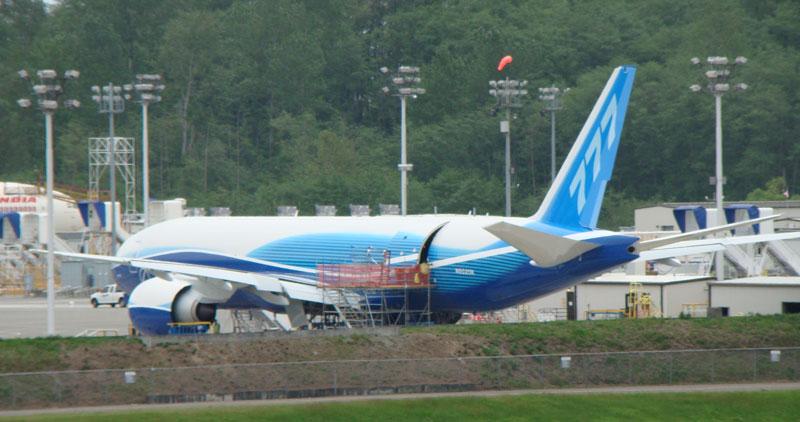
{"type": "Point", "coordinates": [109, 296]}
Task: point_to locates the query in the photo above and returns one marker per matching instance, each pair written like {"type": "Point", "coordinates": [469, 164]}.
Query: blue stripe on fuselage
{"type": "Point", "coordinates": [487, 283]}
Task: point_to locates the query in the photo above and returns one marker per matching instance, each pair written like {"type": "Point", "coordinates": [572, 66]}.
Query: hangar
{"type": "Point", "coordinates": [756, 295]}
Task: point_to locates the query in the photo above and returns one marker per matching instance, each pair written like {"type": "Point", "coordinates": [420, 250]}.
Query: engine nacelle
{"type": "Point", "coordinates": [155, 303]}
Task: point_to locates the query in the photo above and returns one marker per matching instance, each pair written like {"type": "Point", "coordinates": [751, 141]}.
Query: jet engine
{"type": "Point", "coordinates": [155, 303]}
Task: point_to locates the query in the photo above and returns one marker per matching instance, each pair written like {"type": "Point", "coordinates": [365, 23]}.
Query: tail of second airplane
{"type": "Point", "coordinates": [575, 198]}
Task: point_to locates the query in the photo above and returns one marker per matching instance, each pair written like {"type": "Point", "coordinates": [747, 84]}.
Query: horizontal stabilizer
{"type": "Point", "coordinates": [546, 250]}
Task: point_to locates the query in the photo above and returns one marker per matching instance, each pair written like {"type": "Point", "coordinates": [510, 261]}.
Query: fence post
{"type": "Point", "coordinates": [335, 381]}
{"type": "Point", "coordinates": [755, 365]}
{"type": "Point", "coordinates": [712, 368]}
{"type": "Point", "coordinates": [630, 368]}
{"type": "Point", "coordinates": [671, 365]}
{"type": "Point", "coordinates": [541, 370]}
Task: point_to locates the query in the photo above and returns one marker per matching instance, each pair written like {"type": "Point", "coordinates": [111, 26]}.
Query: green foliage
{"type": "Point", "coordinates": [279, 102]}
{"type": "Point", "coordinates": [774, 190]}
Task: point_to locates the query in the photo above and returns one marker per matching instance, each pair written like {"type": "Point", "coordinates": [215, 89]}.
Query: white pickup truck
{"type": "Point", "coordinates": [109, 296]}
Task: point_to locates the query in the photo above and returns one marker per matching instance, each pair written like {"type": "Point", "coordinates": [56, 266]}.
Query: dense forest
{"type": "Point", "coordinates": [279, 102]}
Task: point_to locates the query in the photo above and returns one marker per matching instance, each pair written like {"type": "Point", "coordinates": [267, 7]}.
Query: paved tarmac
{"type": "Point", "coordinates": [651, 389]}
{"type": "Point", "coordinates": [22, 317]}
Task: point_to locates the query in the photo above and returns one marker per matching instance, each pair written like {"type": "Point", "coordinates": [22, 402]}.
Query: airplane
{"type": "Point", "coordinates": [184, 270]}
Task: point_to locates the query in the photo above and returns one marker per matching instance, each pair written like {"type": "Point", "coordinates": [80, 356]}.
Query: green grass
{"type": "Point", "coordinates": [774, 405]}
{"type": "Point", "coordinates": [46, 353]}
{"type": "Point", "coordinates": [622, 335]}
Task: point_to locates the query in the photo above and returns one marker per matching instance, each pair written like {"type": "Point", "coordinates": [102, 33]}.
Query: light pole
{"type": "Point", "coordinates": [110, 100]}
{"type": "Point", "coordinates": [406, 82]}
{"type": "Point", "coordinates": [719, 71]}
{"type": "Point", "coordinates": [551, 96]}
{"type": "Point", "coordinates": [47, 91]}
{"type": "Point", "coordinates": [148, 89]}
{"type": "Point", "coordinates": [509, 95]}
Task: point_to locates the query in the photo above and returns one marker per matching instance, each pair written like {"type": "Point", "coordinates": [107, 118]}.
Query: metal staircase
{"type": "Point", "coordinates": [254, 321]}
{"type": "Point", "coordinates": [352, 309]}
{"type": "Point", "coordinates": [785, 255]}
{"type": "Point", "coordinates": [742, 260]}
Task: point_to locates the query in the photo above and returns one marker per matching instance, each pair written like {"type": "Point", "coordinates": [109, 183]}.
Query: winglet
{"type": "Point", "coordinates": [545, 249]}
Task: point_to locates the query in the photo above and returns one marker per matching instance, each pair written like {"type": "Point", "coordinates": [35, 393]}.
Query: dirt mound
{"type": "Point", "coordinates": [442, 341]}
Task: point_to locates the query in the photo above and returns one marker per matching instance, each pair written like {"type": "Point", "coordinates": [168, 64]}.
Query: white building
{"type": "Point", "coordinates": [756, 295]}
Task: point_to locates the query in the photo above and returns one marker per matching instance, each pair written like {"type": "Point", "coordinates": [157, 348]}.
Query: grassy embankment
{"type": "Point", "coordinates": [41, 354]}
{"type": "Point", "coordinates": [775, 405]}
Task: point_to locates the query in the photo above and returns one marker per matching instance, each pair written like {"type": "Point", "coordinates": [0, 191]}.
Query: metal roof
{"type": "Point", "coordinates": [621, 278]}
{"type": "Point", "coordinates": [760, 282]}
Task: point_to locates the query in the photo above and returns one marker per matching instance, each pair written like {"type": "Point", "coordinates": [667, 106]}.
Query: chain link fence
{"type": "Point", "coordinates": [362, 377]}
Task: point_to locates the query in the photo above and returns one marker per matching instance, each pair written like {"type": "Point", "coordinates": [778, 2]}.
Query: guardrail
{"type": "Point", "coordinates": [363, 377]}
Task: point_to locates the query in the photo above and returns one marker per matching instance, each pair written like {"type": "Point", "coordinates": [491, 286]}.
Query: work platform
{"type": "Point", "coordinates": [374, 294]}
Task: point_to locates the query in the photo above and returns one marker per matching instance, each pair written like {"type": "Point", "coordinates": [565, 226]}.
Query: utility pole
{"type": "Point", "coordinates": [47, 91]}
{"type": "Point", "coordinates": [719, 71]}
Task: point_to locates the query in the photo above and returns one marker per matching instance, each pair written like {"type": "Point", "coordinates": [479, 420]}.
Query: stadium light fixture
{"type": "Point", "coordinates": [551, 96]}
{"type": "Point", "coordinates": [508, 96]}
{"type": "Point", "coordinates": [718, 74]}
{"type": "Point", "coordinates": [405, 82]}
{"type": "Point", "coordinates": [47, 91]}
{"type": "Point", "coordinates": [147, 90]}
{"type": "Point", "coordinates": [109, 101]}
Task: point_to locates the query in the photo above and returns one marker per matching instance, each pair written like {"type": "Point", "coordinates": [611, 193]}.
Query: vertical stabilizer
{"type": "Point", "coordinates": [576, 195]}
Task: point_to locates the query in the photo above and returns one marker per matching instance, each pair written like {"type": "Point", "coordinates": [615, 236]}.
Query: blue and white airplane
{"type": "Point", "coordinates": [184, 270]}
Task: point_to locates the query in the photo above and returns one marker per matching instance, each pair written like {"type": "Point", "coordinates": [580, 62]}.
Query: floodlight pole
{"type": "Point", "coordinates": [145, 165]}
{"type": "Point", "coordinates": [406, 83]}
{"type": "Point", "coordinates": [48, 91]}
{"type": "Point", "coordinates": [51, 229]}
{"type": "Point", "coordinates": [509, 94]}
{"type": "Point", "coordinates": [110, 100]}
{"type": "Point", "coordinates": [403, 158]}
{"type": "Point", "coordinates": [508, 160]}
{"type": "Point", "coordinates": [112, 169]}
{"type": "Point", "coordinates": [720, 71]}
{"type": "Point", "coordinates": [147, 89]}
{"type": "Point", "coordinates": [552, 145]}
{"type": "Point", "coordinates": [552, 99]}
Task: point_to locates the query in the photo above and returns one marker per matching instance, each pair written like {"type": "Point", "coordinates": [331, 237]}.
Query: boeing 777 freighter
{"type": "Point", "coordinates": [184, 270]}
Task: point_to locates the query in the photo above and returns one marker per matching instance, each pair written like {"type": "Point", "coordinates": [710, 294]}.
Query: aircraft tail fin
{"type": "Point", "coordinates": [576, 195]}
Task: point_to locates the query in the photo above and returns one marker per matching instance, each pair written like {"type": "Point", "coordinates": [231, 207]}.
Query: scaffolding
{"type": "Point", "coordinates": [125, 162]}
{"type": "Point", "coordinates": [374, 294]}
{"type": "Point", "coordinates": [639, 304]}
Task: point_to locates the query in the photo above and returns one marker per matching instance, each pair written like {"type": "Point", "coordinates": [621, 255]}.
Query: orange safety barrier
{"type": "Point", "coordinates": [371, 276]}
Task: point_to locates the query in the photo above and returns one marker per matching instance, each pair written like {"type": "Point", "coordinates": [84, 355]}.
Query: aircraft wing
{"type": "Point", "coordinates": [293, 287]}
{"type": "Point", "coordinates": [709, 245]}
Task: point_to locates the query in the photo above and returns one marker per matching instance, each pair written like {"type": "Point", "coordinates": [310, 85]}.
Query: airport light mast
{"type": "Point", "coordinates": [551, 96]}
{"type": "Point", "coordinates": [47, 91]}
{"type": "Point", "coordinates": [718, 72]}
{"type": "Point", "coordinates": [148, 88]}
{"type": "Point", "coordinates": [110, 100]}
{"type": "Point", "coordinates": [509, 93]}
{"type": "Point", "coordinates": [406, 83]}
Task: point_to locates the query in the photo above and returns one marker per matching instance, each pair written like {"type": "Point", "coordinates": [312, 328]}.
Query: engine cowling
{"type": "Point", "coordinates": [155, 303]}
